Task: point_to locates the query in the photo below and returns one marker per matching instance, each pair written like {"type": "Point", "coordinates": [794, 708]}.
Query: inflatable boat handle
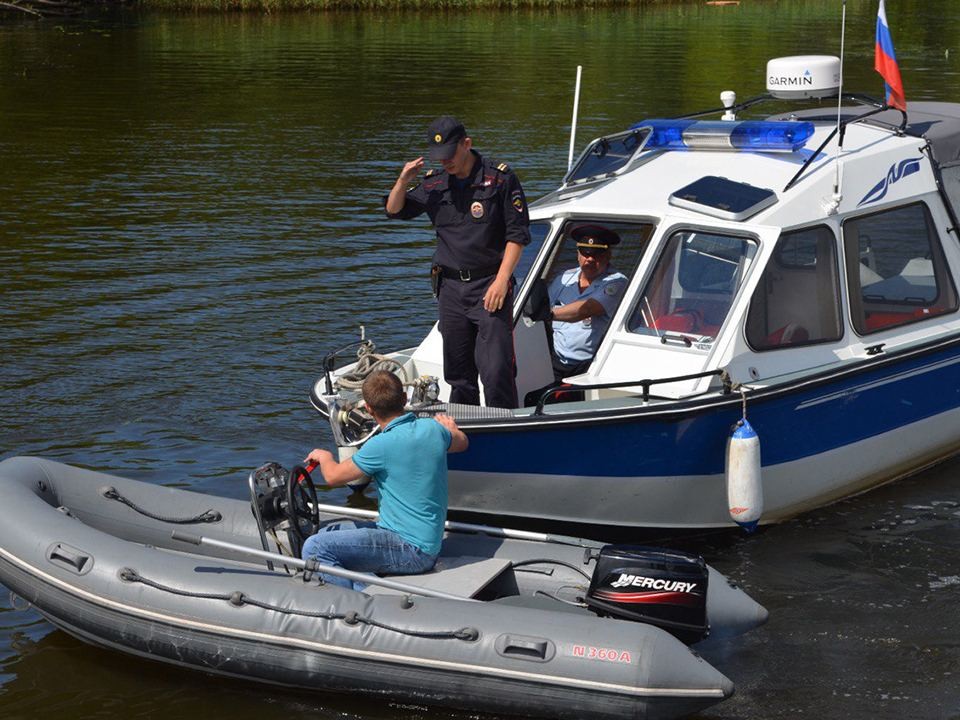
{"type": "Point", "coordinates": [316, 567]}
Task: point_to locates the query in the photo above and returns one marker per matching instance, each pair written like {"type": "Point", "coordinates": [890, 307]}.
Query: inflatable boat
{"type": "Point", "coordinates": [508, 622]}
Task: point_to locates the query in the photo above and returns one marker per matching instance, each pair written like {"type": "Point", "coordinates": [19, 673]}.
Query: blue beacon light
{"type": "Point", "coordinates": [755, 135]}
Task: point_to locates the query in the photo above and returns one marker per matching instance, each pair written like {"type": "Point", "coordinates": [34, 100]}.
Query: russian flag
{"type": "Point", "coordinates": [885, 62]}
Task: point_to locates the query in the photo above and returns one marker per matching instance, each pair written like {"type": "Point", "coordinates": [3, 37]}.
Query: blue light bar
{"type": "Point", "coordinates": [755, 135]}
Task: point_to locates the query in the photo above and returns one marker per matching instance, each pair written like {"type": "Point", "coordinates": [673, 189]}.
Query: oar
{"type": "Point", "coordinates": [314, 566]}
{"type": "Point", "coordinates": [468, 527]}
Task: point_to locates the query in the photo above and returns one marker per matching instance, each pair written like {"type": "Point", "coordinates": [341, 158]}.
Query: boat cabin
{"type": "Point", "coordinates": [757, 247]}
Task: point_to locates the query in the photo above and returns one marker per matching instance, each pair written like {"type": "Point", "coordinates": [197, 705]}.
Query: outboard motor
{"type": "Point", "coordinates": [659, 587]}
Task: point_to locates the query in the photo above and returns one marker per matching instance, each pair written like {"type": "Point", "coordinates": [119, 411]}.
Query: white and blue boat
{"type": "Point", "coordinates": [799, 270]}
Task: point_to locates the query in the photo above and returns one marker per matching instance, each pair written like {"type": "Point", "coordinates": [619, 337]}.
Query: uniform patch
{"type": "Point", "coordinates": [517, 202]}
{"type": "Point", "coordinates": [613, 289]}
{"type": "Point", "coordinates": [477, 210]}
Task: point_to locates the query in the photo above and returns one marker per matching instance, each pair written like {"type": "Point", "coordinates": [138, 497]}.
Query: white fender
{"type": "Point", "coordinates": [345, 453]}
{"type": "Point", "coordinates": [744, 489]}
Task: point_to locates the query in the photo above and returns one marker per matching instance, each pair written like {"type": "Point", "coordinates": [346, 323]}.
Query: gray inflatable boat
{"type": "Point", "coordinates": [559, 627]}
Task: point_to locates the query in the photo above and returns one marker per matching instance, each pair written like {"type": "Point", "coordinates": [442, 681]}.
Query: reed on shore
{"type": "Point", "coordinates": [282, 5]}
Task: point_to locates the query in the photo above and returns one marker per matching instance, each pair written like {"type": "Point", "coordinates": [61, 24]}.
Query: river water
{"type": "Point", "coordinates": [189, 219]}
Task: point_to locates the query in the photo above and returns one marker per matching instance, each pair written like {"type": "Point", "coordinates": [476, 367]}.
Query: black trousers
{"type": "Point", "coordinates": [477, 342]}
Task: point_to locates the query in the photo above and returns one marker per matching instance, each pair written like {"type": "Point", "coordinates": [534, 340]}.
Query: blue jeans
{"type": "Point", "coordinates": [364, 547]}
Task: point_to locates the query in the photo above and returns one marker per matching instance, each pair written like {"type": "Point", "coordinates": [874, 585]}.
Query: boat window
{"type": "Point", "coordinates": [797, 301]}
{"type": "Point", "coordinates": [951, 186]}
{"type": "Point", "coordinates": [692, 287]}
{"type": "Point", "coordinates": [625, 255]}
{"type": "Point", "coordinates": [538, 233]}
{"type": "Point", "coordinates": [607, 155]}
{"type": "Point", "coordinates": [624, 258]}
{"type": "Point", "coordinates": [896, 271]}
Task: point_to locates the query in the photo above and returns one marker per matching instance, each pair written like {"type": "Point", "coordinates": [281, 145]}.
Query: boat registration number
{"type": "Point", "coordinates": [588, 652]}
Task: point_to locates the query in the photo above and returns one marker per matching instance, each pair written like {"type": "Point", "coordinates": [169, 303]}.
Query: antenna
{"type": "Point", "coordinates": [573, 123]}
{"type": "Point", "coordinates": [832, 204]}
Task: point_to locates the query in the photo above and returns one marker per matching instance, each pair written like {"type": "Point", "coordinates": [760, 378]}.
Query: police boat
{"type": "Point", "coordinates": [785, 339]}
{"type": "Point", "coordinates": [508, 622]}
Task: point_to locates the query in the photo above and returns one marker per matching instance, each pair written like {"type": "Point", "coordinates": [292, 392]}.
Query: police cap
{"type": "Point", "coordinates": [594, 236]}
{"type": "Point", "coordinates": [443, 135]}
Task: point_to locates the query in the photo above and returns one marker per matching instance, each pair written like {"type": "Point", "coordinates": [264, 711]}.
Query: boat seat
{"type": "Point", "coordinates": [789, 334]}
{"type": "Point", "coordinates": [462, 575]}
{"type": "Point", "coordinates": [879, 320]}
{"type": "Point", "coordinates": [682, 321]}
{"type": "Point", "coordinates": [687, 320]}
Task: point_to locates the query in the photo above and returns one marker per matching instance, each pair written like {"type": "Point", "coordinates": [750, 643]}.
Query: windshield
{"type": "Point", "coordinates": [692, 287]}
{"type": "Point", "coordinates": [608, 155]}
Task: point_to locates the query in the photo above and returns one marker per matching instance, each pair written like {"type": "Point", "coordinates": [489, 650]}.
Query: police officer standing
{"type": "Point", "coordinates": [480, 215]}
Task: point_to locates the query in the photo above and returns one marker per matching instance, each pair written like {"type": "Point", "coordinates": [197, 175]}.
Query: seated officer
{"type": "Point", "coordinates": [583, 300]}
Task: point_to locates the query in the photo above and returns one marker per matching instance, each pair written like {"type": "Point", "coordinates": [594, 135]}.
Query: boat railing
{"type": "Point", "coordinates": [645, 384]}
{"type": "Point", "coordinates": [363, 346]}
{"type": "Point", "coordinates": [841, 129]}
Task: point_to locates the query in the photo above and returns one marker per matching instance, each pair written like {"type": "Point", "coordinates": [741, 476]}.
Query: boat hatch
{"type": "Point", "coordinates": [723, 198]}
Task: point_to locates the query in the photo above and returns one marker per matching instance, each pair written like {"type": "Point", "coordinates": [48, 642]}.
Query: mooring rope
{"type": "Point", "coordinates": [207, 516]}
{"type": "Point", "coordinates": [239, 599]}
{"type": "Point", "coordinates": [367, 363]}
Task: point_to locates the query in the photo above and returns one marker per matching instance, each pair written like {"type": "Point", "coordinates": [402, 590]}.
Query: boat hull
{"type": "Point", "coordinates": [662, 466]}
{"type": "Point", "coordinates": [105, 573]}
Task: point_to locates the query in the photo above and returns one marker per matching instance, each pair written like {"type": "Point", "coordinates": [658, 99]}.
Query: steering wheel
{"type": "Point", "coordinates": [301, 505]}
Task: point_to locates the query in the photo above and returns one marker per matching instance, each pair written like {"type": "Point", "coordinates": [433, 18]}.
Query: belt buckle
{"type": "Point", "coordinates": [464, 275]}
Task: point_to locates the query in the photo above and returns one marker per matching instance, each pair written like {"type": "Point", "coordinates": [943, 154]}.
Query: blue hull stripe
{"type": "Point", "coordinates": [791, 425]}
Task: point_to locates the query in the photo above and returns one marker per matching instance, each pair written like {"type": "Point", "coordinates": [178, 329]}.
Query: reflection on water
{"type": "Point", "coordinates": [190, 219]}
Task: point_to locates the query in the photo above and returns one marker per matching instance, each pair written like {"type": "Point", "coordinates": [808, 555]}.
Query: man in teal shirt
{"type": "Point", "coordinates": [408, 461]}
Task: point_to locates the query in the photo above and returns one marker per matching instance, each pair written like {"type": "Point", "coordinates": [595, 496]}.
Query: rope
{"type": "Point", "coordinates": [207, 516]}
{"type": "Point", "coordinates": [550, 561]}
{"type": "Point", "coordinates": [574, 603]}
{"type": "Point", "coordinates": [367, 363]}
{"type": "Point", "coordinates": [239, 599]}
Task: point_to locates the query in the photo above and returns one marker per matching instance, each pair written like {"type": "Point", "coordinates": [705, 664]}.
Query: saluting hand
{"type": "Point", "coordinates": [410, 171]}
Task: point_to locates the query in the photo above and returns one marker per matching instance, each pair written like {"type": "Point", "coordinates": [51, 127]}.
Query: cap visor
{"type": "Point", "coordinates": [443, 152]}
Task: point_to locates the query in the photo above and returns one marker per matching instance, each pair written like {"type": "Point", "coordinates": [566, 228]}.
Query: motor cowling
{"type": "Point", "coordinates": [666, 588]}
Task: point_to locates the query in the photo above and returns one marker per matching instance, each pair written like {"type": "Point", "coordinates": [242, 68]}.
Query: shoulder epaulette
{"type": "Point", "coordinates": [431, 171]}
{"type": "Point", "coordinates": [503, 167]}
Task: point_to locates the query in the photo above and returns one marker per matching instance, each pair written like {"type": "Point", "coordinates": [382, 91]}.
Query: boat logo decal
{"type": "Point", "coordinates": [477, 210]}
{"type": "Point", "coordinates": [652, 583]}
{"type": "Point", "coordinates": [897, 171]}
{"type": "Point", "coordinates": [646, 590]}
{"type": "Point", "coordinates": [588, 652]}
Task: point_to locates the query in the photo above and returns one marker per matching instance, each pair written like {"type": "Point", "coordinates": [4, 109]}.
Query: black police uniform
{"type": "Point", "coordinates": [474, 219]}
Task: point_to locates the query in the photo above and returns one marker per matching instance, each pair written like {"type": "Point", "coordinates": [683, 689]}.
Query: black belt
{"type": "Point", "coordinates": [467, 275]}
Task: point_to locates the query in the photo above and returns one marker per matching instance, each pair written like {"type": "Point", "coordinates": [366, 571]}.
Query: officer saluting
{"type": "Point", "coordinates": [480, 215]}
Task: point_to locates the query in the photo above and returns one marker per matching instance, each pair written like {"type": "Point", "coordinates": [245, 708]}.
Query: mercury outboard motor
{"type": "Point", "coordinates": [659, 587]}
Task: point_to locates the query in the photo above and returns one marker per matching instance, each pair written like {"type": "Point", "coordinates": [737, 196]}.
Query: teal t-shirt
{"type": "Point", "coordinates": [408, 460]}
